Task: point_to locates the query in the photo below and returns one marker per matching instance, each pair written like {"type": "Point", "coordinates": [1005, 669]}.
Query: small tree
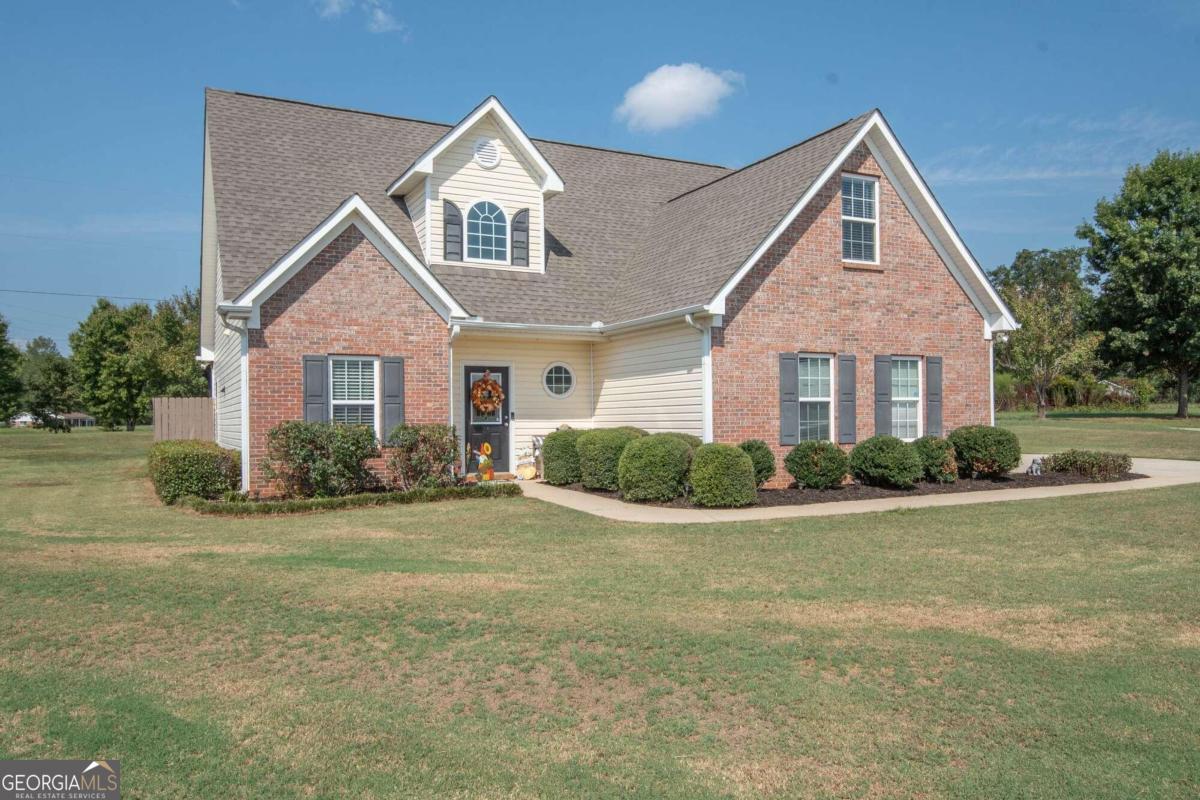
{"type": "Point", "coordinates": [164, 348]}
{"type": "Point", "coordinates": [46, 374]}
{"type": "Point", "coordinates": [1049, 343]}
{"type": "Point", "coordinates": [1144, 250]}
{"type": "Point", "coordinates": [110, 378]}
{"type": "Point", "coordinates": [10, 380]}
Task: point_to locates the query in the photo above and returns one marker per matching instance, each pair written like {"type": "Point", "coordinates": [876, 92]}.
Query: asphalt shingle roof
{"type": "Point", "coordinates": [631, 236]}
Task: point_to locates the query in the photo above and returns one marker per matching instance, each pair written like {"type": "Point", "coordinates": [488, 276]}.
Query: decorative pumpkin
{"type": "Point", "coordinates": [486, 394]}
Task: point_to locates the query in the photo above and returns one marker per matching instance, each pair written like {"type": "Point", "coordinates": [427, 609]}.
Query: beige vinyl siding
{"type": "Point", "coordinates": [537, 412]}
{"type": "Point", "coordinates": [652, 379]}
{"type": "Point", "coordinates": [513, 185]}
{"type": "Point", "coordinates": [227, 384]}
{"type": "Point", "coordinates": [415, 200]}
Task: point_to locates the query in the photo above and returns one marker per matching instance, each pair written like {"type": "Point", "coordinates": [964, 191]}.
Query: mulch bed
{"type": "Point", "coordinates": [855, 491]}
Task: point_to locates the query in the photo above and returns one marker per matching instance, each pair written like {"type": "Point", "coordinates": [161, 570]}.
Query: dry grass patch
{"type": "Point", "coordinates": [137, 553]}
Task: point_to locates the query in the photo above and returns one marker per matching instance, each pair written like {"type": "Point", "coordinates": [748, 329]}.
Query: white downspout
{"type": "Point", "coordinates": [706, 433]}
{"type": "Point", "coordinates": [455, 330]}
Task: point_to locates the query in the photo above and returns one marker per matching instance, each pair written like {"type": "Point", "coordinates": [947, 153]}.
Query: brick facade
{"type": "Point", "coordinates": [347, 300]}
{"type": "Point", "coordinates": [801, 296]}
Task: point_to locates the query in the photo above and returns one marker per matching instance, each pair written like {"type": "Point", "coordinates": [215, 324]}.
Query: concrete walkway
{"type": "Point", "coordinates": [1158, 471]}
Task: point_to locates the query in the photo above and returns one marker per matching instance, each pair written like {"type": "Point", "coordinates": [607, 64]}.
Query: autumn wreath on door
{"type": "Point", "coordinates": [486, 394]}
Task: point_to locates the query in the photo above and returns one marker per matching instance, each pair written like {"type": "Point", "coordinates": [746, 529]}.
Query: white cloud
{"type": "Point", "coordinates": [378, 13]}
{"type": "Point", "coordinates": [1064, 148]}
{"type": "Point", "coordinates": [333, 8]}
{"type": "Point", "coordinates": [379, 17]}
{"type": "Point", "coordinates": [675, 95]}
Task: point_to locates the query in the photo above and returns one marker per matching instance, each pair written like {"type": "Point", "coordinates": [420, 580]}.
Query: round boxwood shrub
{"type": "Point", "coordinates": [320, 459]}
{"type": "Point", "coordinates": [560, 459]}
{"type": "Point", "coordinates": [937, 459]}
{"type": "Point", "coordinates": [817, 465]}
{"type": "Point", "coordinates": [762, 458]}
{"type": "Point", "coordinates": [191, 467]}
{"type": "Point", "coordinates": [600, 454]}
{"type": "Point", "coordinates": [654, 467]}
{"type": "Point", "coordinates": [886, 461]}
{"type": "Point", "coordinates": [722, 476]}
{"type": "Point", "coordinates": [692, 441]}
{"type": "Point", "coordinates": [985, 451]}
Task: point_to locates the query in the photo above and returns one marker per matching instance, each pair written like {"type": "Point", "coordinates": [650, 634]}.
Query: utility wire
{"type": "Point", "coordinates": [77, 294]}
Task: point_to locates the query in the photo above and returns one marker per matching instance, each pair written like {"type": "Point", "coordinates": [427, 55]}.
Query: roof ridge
{"type": "Point", "coordinates": [777, 153]}
{"type": "Point", "coordinates": [450, 126]}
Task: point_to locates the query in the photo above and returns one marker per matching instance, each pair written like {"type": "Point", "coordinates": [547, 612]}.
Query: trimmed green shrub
{"type": "Point", "coordinates": [422, 456]}
{"type": "Point", "coordinates": [600, 454]}
{"type": "Point", "coordinates": [886, 461]}
{"type": "Point", "coordinates": [320, 459]}
{"type": "Point", "coordinates": [560, 459]}
{"type": "Point", "coordinates": [817, 465]}
{"type": "Point", "coordinates": [190, 467]}
{"type": "Point", "coordinates": [984, 451]}
{"type": "Point", "coordinates": [692, 441]}
{"type": "Point", "coordinates": [1093, 464]}
{"type": "Point", "coordinates": [244, 507]}
{"type": "Point", "coordinates": [722, 476]}
{"type": "Point", "coordinates": [763, 459]}
{"type": "Point", "coordinates": [654, 467]}
{"type": "Point", "coordinates": [629, 429]}
{"type": "Point", "coordinates": [937, 459]}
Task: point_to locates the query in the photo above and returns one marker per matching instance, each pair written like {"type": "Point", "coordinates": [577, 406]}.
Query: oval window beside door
{"type": "Point", "coordinates": [558, 380]}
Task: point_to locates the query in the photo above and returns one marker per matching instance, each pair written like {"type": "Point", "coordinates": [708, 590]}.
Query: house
{"type": "Point", "coordinates": [22, 420]}
{"type": "Point", "coordinates": [367, 268]}
{"type": "Point", "coordinates": [78, 419]}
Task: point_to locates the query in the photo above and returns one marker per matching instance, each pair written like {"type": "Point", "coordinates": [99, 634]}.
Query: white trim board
{"type": "Point", "coordinates": [902, 175]}
{"type": "Point", "coordinates": [354, 211]}
{"type": "Point", "coordinates": [423, 166]}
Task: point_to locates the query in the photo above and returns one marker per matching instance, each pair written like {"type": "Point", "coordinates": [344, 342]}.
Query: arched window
{"type": "Point", "coordinates": [487, 232]}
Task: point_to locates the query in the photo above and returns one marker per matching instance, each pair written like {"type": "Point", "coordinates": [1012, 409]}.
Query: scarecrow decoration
{"type": "Point", "coordinates": [486, 394]}
{"type": "Point", "coordinates": [483, 457]}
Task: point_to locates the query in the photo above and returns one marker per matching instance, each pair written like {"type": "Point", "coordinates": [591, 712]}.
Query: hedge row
{"type": "Point", "coordinates": [179, 468]}
{"type": "Point", "coordinates": [306, 505]}
{"type": "Point", "coordinates": [1093, 464]}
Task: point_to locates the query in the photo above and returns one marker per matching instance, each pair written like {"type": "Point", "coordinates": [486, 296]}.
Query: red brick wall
{"type": "Point", "coordinates": [348, 300]}
{"type": "Point", "coordinates": [802, 297]}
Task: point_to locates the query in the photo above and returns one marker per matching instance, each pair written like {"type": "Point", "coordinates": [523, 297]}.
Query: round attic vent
{"type": "Point", "coordinates": [487, 153]}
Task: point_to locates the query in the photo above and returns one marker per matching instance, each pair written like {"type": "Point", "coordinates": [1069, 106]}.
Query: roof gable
{"type": "Point", "coordinates": [422, 167]}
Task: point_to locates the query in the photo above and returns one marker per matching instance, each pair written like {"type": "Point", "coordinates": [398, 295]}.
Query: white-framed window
{"type": "Point", "coordinates": [906, 398]}
{"type": "Point", "coordinates": [353, 390]}
{"type": "Point", "coordinates": [860, 219]}
{"type": "Point", "coordinates": [558, 380]}
{"type": "Point", "coordinates": [487, 233]}
{"type": "Point", "coordinates": [815, 385]}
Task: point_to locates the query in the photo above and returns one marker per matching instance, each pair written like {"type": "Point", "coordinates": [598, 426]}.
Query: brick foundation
{"type": "Point", "coordinates": [802, 297]}
{"type": "Point", "coordinates": [348, 300]}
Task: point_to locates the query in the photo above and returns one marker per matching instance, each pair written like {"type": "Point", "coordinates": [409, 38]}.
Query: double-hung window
{"type": "Point", "coordinates": [353, 396]}
{"type": "Point", "coordinates": [906, 398]}
{"type": "Point", "coordinates": [815, 396]}
{"type": "Point", "coordinates": [860, 219]}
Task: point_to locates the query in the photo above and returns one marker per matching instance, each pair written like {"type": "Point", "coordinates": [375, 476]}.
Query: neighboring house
{"type": "Point", "coordinates": [367, 268]}
{"type": "Point", "coordinates": [22, 420]}
{"type": "Point", "coordinates": [78, 419]}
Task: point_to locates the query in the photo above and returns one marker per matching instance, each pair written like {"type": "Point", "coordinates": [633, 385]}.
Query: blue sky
{"type": "Point", "coordinates": [1020, 115]}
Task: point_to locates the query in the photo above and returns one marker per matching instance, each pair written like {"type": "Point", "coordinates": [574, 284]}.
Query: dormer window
{"type": "Point", "coordinates": [487, 233]}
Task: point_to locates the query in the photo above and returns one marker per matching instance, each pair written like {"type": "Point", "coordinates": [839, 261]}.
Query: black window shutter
{"type": "Point", "coordinates": [846, 399]}
{"type": "Point", "coordinates": [883, 395]}
{"type": "Point", "coordinates": [452, 232]}
{"type": "Point", "coordinates": [316, 389]}
{"type": "Point", "coordinates": [789, 405]}
{"type": "Point", "coordinates": [520, 238]}
{"type": "Point", "coordinates": [933, 395]}
{"type": "Point", "coordinates": [393, 395]}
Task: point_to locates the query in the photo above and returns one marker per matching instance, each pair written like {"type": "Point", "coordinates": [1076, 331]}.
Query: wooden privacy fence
{"type": "Point", "coordinates": [183, 418]}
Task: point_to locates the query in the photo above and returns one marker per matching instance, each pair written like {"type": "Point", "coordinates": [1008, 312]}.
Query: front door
{"type": "Point", "coordinates": [487, 420]}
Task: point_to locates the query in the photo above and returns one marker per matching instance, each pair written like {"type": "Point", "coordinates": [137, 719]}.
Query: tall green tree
{"type": "Point", "coordinates": [46, 375]}
{"type": "Point", "coordinates": [1053, 270]}
{"type": "Point", "coordinates": [1051, 341]}
{"type": "Point", "coordinates": [10, 380]}
{"type": "Point", "coordinates": [111, 379]}
{"type": "Point", "coordinates": [165, 347]}
{"type": "Point", "coordinates": [1144, 248]}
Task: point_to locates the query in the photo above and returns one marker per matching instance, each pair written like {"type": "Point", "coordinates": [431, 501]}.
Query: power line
{"type": "Point", "coordinates": [77, 294]}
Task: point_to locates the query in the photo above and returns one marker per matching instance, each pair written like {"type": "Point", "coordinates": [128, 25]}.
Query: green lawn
{"type": "Point", "coordinates": [506, 648]}
{"type": "Point", "coordinates": [1153, 433]}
